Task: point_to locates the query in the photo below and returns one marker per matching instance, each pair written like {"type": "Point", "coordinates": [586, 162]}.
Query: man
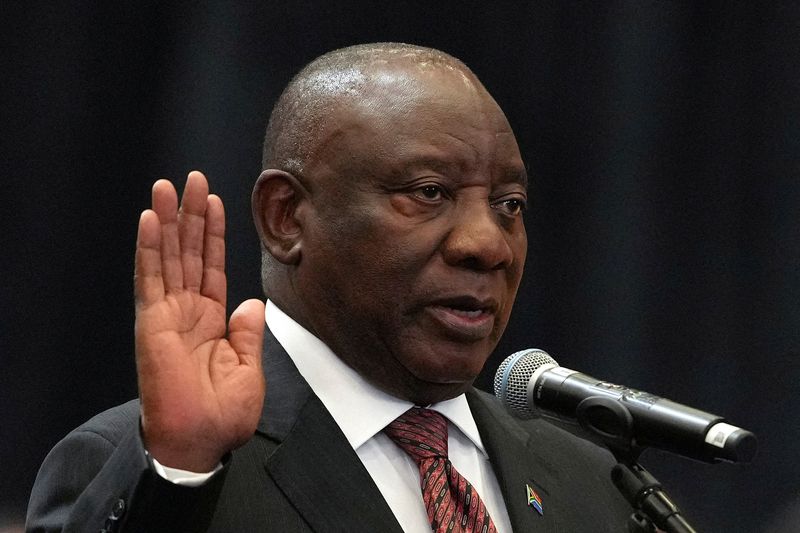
{"type": "Point", "coordinates": [390, 217]}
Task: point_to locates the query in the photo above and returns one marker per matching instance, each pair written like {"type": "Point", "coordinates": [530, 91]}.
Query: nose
{"type": "Point", "coordinates": [477, 239]}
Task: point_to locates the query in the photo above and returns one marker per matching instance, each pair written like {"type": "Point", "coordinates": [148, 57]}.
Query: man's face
{"type": "Point", "coordinates": [415, 244]}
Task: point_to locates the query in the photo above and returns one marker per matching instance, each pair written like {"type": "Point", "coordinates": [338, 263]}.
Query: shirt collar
{"type": "Point", "coordinates": [359, 408]}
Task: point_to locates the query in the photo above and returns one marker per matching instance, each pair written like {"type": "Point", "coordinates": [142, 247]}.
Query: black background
{"type": "Point", "coordinates": [663, 140]}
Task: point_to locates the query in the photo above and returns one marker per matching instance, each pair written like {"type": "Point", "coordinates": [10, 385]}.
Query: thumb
{"type": "Point", "coordinates": [246, 332]}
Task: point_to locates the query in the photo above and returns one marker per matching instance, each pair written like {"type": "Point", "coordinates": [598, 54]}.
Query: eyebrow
{"type": "Point", "coordinates": [439, 164]}
{"type": "Point", "coordinates": [516, 175]}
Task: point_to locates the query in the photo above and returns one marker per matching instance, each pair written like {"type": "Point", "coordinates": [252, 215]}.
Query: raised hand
{"type": "Point", "coordinates": [201, 390]}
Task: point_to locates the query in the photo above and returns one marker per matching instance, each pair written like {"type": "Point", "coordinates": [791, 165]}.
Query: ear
{"type": "Point", "coordinates": [276, 197]}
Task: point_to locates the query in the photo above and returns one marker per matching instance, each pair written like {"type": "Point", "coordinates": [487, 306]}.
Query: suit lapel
{"type": "Point", "coordinates": [516, 464]}
{"type": "Point", "coordinates": [314, 465]}
{"type": "Point", "coordinates": [323, 478]}
{"type": "Point", "coordinates": [321, 475]}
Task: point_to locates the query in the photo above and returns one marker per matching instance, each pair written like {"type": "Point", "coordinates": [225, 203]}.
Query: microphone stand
{"type": "Point", "coordinates": [654, 508]}
{"type": "Point", "coordinates": [611, 422]}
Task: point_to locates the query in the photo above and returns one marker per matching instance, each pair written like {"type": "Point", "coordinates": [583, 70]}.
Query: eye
{"type": "Point", "coordinates": [511, 206]}
{"type": "Point", "coordinates": [429, 193]}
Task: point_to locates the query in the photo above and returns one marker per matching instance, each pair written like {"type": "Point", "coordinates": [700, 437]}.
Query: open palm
{"type": "Point", "coordinates": [200, 379]}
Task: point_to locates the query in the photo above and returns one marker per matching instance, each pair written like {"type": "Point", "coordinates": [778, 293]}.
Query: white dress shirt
{"type": "Point", "coordinates": [362, 411]}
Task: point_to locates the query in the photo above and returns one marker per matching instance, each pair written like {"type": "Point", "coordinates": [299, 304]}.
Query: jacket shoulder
{"type": "Point", "coordinates": [112, 424]}
{"type": "Point", "coordinates": [73, 464]}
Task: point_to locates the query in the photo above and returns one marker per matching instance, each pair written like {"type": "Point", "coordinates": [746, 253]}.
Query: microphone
{"type": "Point", "coordinates": [530, 384]}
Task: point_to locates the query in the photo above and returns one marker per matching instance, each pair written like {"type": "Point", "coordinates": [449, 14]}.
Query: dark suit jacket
{"type": "Point", "coordinates": [299, 473]}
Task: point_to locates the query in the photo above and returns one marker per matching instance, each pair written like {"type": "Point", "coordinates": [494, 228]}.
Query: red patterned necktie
{"type": "Point", "coordinates": [452, 502]}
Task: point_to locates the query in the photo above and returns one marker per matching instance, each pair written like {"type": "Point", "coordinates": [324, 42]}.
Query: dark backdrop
{"type": "Point", "coordinates": [663, 140]}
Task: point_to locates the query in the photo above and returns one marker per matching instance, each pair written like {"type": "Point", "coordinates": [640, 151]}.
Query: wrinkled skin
{"type": "Point", "coordinates": [409, 242]}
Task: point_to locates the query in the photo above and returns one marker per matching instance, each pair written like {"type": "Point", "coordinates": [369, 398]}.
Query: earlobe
{"type": "Point", "coordinates": [276, 197]}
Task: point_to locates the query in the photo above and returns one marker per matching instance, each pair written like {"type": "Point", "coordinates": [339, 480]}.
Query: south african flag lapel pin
{"type": "Point", "coordinates": [534, 500]}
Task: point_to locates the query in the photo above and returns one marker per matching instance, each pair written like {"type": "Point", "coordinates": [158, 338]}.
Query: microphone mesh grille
{"type": "Point", "coordinates": [523, 365]}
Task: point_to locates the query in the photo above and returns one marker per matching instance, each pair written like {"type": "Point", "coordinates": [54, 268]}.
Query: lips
{"type": "Point", "coordinates": [464, 318]}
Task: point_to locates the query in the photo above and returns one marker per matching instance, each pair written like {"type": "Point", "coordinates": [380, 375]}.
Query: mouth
{"type": "Point", "coordinates": [464, 318]}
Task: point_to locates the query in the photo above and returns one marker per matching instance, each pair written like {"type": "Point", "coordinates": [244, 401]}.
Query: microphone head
{"type": "Point", "coordinates": [512, 378]}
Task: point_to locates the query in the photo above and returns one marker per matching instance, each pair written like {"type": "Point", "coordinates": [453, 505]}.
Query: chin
{"type": "Point", "coordinates": [438, 371]}
{"type": "Point", "coordinates": [460, 365]}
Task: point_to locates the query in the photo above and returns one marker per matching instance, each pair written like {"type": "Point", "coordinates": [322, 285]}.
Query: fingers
{"type": "Point", "coordinates": [214, 281]}
{"type": "Point", "coordinates": [148, 283]}
{"type": "Point", "coordinates": [191, 226]}
{"type": "Point", "coordinates": [165, 204]}
{"type": "Point", "coordinates": [182, 250]}
{"type": "Point", "coordinates": [184, 239]}
{"type": "Point", "coordinates": [246, 332]}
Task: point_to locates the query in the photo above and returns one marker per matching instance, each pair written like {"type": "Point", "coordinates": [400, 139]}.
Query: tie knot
{"type": "Point", "coordinates": [421, 433]}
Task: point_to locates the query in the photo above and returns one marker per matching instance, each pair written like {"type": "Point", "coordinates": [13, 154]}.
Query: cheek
{"type": "Point", "coordinates": [378, 241]}
{"type": "Point", "coordinates": [375, 262]}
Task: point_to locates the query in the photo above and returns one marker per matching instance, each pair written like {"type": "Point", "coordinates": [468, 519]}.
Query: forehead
{"type": "Point", "coordinates": [419, 112]}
